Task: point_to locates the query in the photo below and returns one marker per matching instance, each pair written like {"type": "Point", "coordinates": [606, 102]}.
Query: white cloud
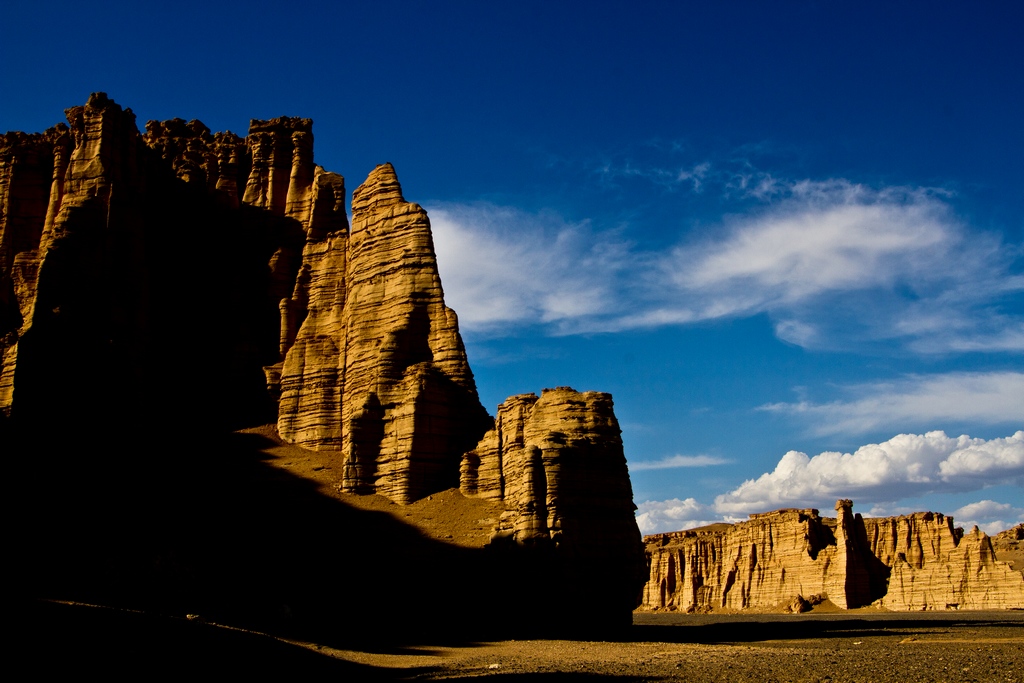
{"type": "Point", "coordinates": [503, 267]}
{"type": "Point", "coordinates": [988, 515]}
{"type": "Point", "coordinates": [833, 263]}
{"type": "Point", "coordinates": [692, 177]}
{"type": "Point", "coordinates": [660, 516]}
{"type": "Point", "coordinates": [981, 397]}
{"type": "Point", "coordinates": [834, 236]}
{"type": "Point", "coordinates": [983, 509]}
{"type": "Point", "coordinates": [675, 461]}
{"type": "Point", "coordinates": [905, 465]}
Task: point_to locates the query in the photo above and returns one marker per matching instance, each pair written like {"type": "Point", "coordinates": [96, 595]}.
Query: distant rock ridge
{"type": "Point", "coordinates": [795, 558]}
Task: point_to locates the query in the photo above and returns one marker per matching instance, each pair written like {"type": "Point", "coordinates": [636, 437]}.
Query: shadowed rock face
{"type": "Point", "coordinates": [913, 562]}
{"type": "Point", "coordinates": [133, 282]}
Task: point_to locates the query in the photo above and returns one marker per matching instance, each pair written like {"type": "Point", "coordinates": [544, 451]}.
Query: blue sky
{"type": "Point", "coordinates": [787, 237]}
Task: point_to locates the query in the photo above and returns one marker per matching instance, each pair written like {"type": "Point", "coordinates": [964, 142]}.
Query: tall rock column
{"type": "Point", "coordinates": [312, 377]}
{"type": "Point", "coordinates": [846, 580]}
{"type": "Point", "coordinates": [26, 174]}
{"type": "Point", "coordinates": [280, 180]}
{"type": "Point", "coordinates": [70, 238]}
{"type": "Point", "coordinates": [409, 407]}
{"type": "Point", "coordinates": [374, 365]}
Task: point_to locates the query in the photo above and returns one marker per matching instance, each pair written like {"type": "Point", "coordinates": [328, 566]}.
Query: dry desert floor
{"type": "Point", "coordinates": [854, 646]}
{"type": "Point", "coordinates": [291, 502]}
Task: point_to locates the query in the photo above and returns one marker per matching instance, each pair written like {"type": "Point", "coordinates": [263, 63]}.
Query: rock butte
{"type": "Point", "coordinates": [216, 279]}
{"type": "Point", "coordinates": [793, 559]}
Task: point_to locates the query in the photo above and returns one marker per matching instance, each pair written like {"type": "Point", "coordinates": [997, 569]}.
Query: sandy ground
{"type": "Point", "coordinates": [855, 646]}
{"type": "Point", "coordinates": [447, 516]}
{"type": "Point", "coordinates": [69, 637]}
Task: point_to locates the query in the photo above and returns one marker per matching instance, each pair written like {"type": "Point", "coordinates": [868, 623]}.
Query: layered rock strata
{"type": "Point", "coordinates": [794, 557]}
{"type": "Point", "coordinates": [378, 370]}
{"type": "Point", "coordinates": [366, 358]}
{"type": "Point", "coordinates": [934, 565]}
{"type": "Point", "coordinates": [65, 215]}
{"type": "Point", "coordinates": [556, 463]}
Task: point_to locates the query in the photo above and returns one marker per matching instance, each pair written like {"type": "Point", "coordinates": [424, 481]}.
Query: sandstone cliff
{"type": "Point", "coordinates": [1009, 547]}
{"type": "Point", "coordinates": [378, 369]}
{"type": "Point", "coordinates": [793, 557]}
{"type": "Point", "coordinates": [557, 464]}
{"type": "Point", "coordinates": [123, 255]}
{"type": "Point", "coordinates": [936, 566]}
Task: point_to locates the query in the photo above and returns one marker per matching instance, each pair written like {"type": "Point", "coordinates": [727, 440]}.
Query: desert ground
{"type": "Point", "coordinates": [862, 645]}
{"type": "Point", "coordinates": [278, 507]}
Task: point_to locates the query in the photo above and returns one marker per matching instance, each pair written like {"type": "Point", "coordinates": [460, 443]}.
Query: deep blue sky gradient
{"type": "Point", "coordinates": [588, 112]}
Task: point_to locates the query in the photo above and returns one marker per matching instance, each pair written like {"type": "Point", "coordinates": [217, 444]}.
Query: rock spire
{"type": "Point", "coordinates": [378, 369]}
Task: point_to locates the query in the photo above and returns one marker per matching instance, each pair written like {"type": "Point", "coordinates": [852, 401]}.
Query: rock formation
{"type": "Point", "coordinates": [200, 279]}
{"type": "Point", "coordinates": [377, 369]}
{"type": "Point", "coordinates": [556, 463]}
{"type": "Point", "coordinates": [132, 282]}
{"type": "Point", "coordinates": [791, 557]}
{"type": "Point", "coordinates": [936, 566]}
{"type": "Point", "coordinates": [124, 254]}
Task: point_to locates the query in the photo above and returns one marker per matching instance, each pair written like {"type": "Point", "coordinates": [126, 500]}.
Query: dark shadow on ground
{"type": "Point", "coordinates": [705, 629]}
{"type": "Point", "coordinates": [54, 639]}
{"type": "Point", "coordinates": [171, 523]}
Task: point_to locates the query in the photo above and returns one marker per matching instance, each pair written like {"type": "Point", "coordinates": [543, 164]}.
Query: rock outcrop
{"type": "Point", "coordinates": [67, 232]}
{"type": "Point", "coordinates": [127, 258]}
{"type": "Point", "coordinates": [1009, 547]}
{"type": "Point", "coordinates": [124, 254]}
{"type": "Point", "coordinates": [378, 369]}
{"type": "Point", "coordinates": [556, 463]}
{"type": "Point", "coordinates": [936, 566]}
{"type": "Point", "coordinates": [789, 557]}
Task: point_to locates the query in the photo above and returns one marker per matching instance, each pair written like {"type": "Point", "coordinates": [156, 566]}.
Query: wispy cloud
{"type": "Point", "coordinates": [833, 264]}
{"type": "Point", "coordinates": [982, 397]}
{"type": "Point", "coordinates": [905, 465]}
{"type": "Point", "coordinates": [503, 267]}
{"type": "Point", "coordinates": [692, 177]}
{"type": "Point", "coordinates": [676, 461]}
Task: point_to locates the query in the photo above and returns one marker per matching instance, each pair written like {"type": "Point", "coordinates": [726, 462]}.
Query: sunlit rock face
{"type": "Point", "coordinates": [556, 463]}
{"type": "Point", "coordinates": [794, 557]}
{"type": "Point", "coordinates": [377, 369]}
{"type": "Point", "coordinates": [936, 566]}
